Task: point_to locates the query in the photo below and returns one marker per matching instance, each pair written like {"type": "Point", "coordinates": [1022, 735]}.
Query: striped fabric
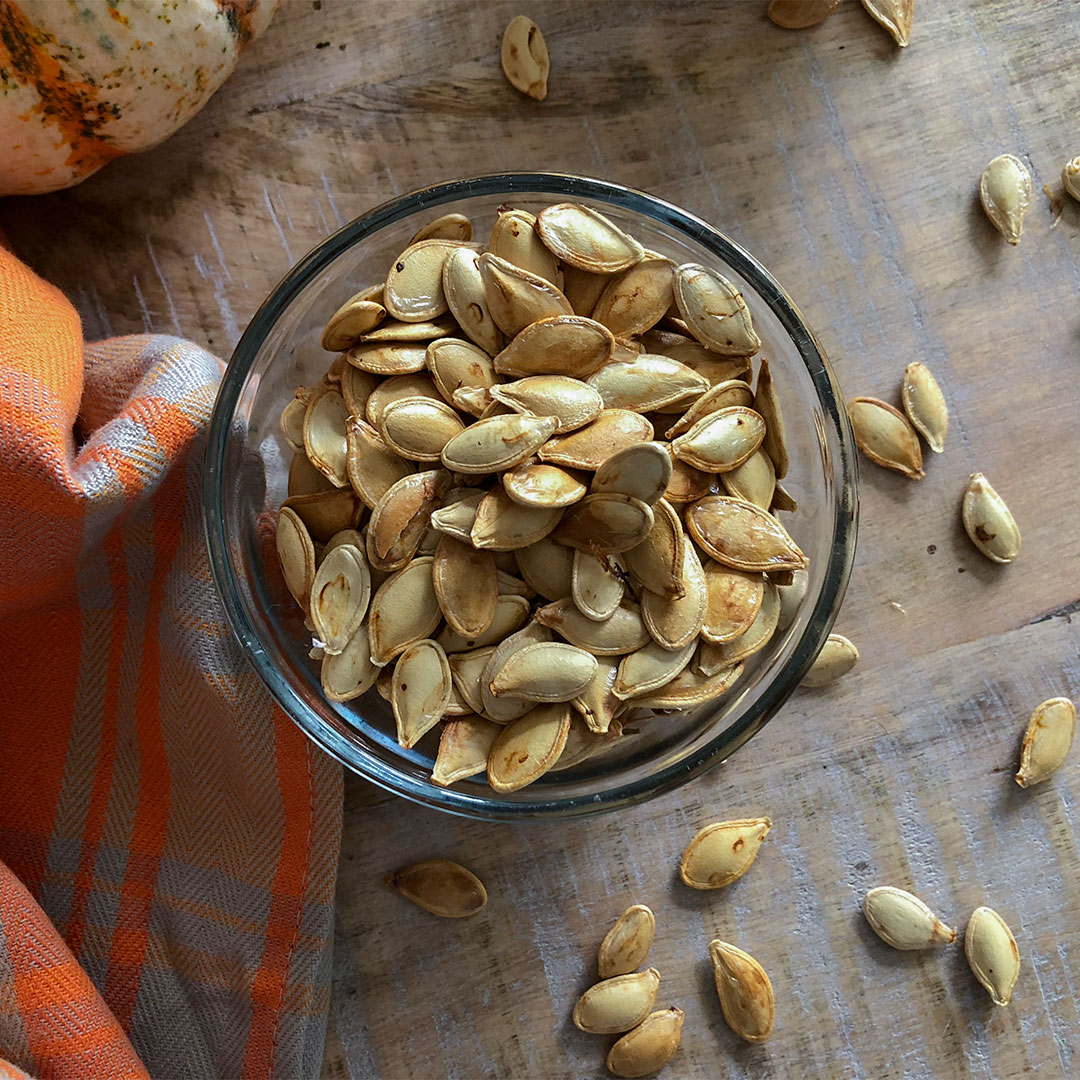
{"type": "Point", "coordinates": [168, 838]}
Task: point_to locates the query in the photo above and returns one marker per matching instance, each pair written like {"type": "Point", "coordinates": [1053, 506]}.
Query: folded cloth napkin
{"type": "Point", "coordinates": [168, 838]}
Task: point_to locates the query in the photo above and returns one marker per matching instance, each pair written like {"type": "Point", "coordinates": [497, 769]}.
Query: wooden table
{"type": "Point", "coordinates": [849, 167]}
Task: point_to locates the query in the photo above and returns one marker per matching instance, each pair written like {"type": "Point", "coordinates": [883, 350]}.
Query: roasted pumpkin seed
{"type": "Point", "coordinates": [589, 447]}
{"type": "Point", "coordinates": [649, 668]}
{"type": "Point", "coordinates": [440, 886]}
{"type": "Point", "coordinates": [992, 954]}
{"type": "Point", "coordinates": [605, 524]}
{"type": "Point", "coordinates": [505, 525]}
{"type": "Point", "coordinates": [524, 56]}
{"type": "Point", "coordinates": [597, 704]}
{"type": "Point", "coordinates": [648, 1047]}
{"type": "Point", "coordinates": [722, 852]}
{"type": "Point", "coordinates": [728, 394]}
{"type": "Point", "coordinates": [504, 709]}
{"type": "Point", "coordinates": [545, 486]}
{"type": "Point", "coordinates": [635, 300]}
{"type": "Point", "coordinates": [741, 535]}
{"type": "Point", "coordinates": [1070, 177]}
{"type": "Point", "coordinates": [292, 423]}
{"type": "Point", "coordinates": [925, 405]}
{"type": "Point", "coordinates": [583, 237]}
{"type": "Point", "coordinates": [466, 671]}
{"type": "Point", "coordinates": [497, 443]}
{"type": "Point", "coordinates": [403, 610]}
{"type": "Point", "coordinates": [715, 311]}
{"type": "Point", "coordinates": [296, 554]}
{"type": "Point", "coordinates": [514, 238]}
{"type": "Point", "coordinates": [547, 567]}
{"type": "Point", "coordinates": [745, 992]}
{"type": "Point", "coordinates": [572, 402]}
{"type": "Point", "coordinates": [413, 291]}
{"type": "Point", "coordinates": [414, 331]}
{"type": "Point", "coordinates": [799, 14]}
{"type": "Point", "coordinates": [325, 513]}
{"type": "Point", "coordinates": [448, 227]}
{"type": "Point", "coordinates": [617, 1004]}
{"type": "Point", "coordinates": [561, 344]}
{"type": "Point", "coordinates": [340, 594]}
{"type": "Point", "coordinates": [621, 633]}
{"type": "Point", "coordinates": [457, 518]}
{"type": "Point", "coordinates": [642, 471]}
{"type": "Point", "coordinates": [884, 435]}
{"type": "Point", "coordinates": [547, 671]}
{"type": "Point", "coordinates": [349, 673]}
{"type": "Point", "coordinates": [1005, 191]}
{"type": "Point", "coordinates": [466, 585]}
{"type": "Point", "coordinates": [324, 436]}
{"type": "Point", "coordinates": [627, 943]}
{"type": "Point", "coordinates": [583, 743]}
{"type": "Point", "coordinates": [657, 562]}
{"type": "Point", "coordinates": [463, 287]}
{"type": "Point", "coordinates": [456, 364]}
{"type": "Point", "coordinates": [415, 384]}
{"type": "Point", "coordinates": [674, 621]}
{"type": "Point", "coordinates": [837, 657]}
{"type": "Point", "coordinates": [754, 480]}
{"type": "Point", "coordinates": [388, 357]}
{"type": "Point", "coordinates": [894, 15]}
{"type": "Point", "coordinates": [420, 690]}
{"type": "Point", "coordinates": [528, 747]}
{"type": "Point", "coordinates": [401, 517]}
{"type": "Point", "coordinates": [596, 586]}
{"type": "Point", "coordinates": [646, 382]}
{"type": "Point", "coordinates": [464, 744]}
{"type": "Point", "coordinates": [716, 657]}
{"type": "Point", "coordinates": [722, 440]}
{"type": "Point", "coordinates": [418, 428]}
{"type": "Point", "coordinates": [989, 522]}
{"type": "Point", "coordinates": [516, 298]}
{"type": "Point", "coordinates": [1047, 741]}
{"type": "Point", "coordinates": [355, 317]}
{"type": "Point", "coordinates": [903, 920]}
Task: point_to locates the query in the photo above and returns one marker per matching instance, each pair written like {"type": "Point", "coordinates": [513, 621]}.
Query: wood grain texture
{"type": "Point", "coordinates": [850, 169]}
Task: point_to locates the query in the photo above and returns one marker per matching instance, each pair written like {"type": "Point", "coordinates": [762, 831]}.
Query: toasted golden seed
{"type": "Point", "coordinates": [1047, 740]}
{"type": "Point", "coordinates": [894, 15]}
{"type": "Point", "coordinates": [388, 357]}
{"type": "Point", "coordinates": [745, 992]}
{"type": "Point", "coordinates": [404, 331]}
{"type": "Point", "coordinates": [837, 657]}
{"type": "Point", "coordinates": [413, 384]}
{"type": "Point", "coordinates": [687, 483]}
{"type": "Point", "coordinates": [721, 440]}
{"type": "Point", "coordinates": [456, 364]}
{"type": "Point", "coordinates": [545, 486]}
{"type": "Point", "coordinates": [456, 518]}
{"type": "Point", "coordinates": [767, 403]}
{"type": "Point", "coordinates": [1070, 177]}
{"type": "Point", "coordinates": [325, 513]}
{"type": "Point", "coordinates": [1005, 191]}
{"type": "Point", "coordinates": [596, 586]}
{"type": "Point", "coordinates": [292, 423]}
{"type": "Point", "coordinates": [583, 289]}
{"type": "Point", "coordinates": [584, 238]}
{"type": "Point", "coordinates": [642, 471]}
{"type": "Point", "coordinates": [689, 689]}
{"type": "Point", "coordinates": [413, 291]}
{"type": "Point", "coordinates": [401, 517]}
{"type": "Point", "coordinates": [589, 447]}
{"type": "Point", "coordinates": [572, 402]}
{"type": "Point", "coordinates": [734, 598]}
{"type": "Point", "coordinates": [715, 311]}
{"type": "Point", "coordinates": [597, 704]}
{"type": "Point", "coordinates": [340, 594]}
{"type": "Point", "coordinates": [716, 657]}
{"type": "Point", "coordinates": [798, 14]}
{"type": "Point", "coordinates": [514, 238]}
{"type": "Point", "coordinates": [296, 552]}
{"type": "Point", "coordinates": [903, 920]}
{"type": "Point", "coordinates": [516, 298]}
{"type": "Point", "coordinates": [455, 227]}
{"type": "Point", "coordinates": [464, 744]}
{"type": "Point", "coordinates": [547, 671]}
{"type": "Point", "coordinates": [623, 632]}
{"type": "Point", "coordinates": [617, 1004]}
{"type": "Point", "coordinates": [884, 435]}
{"type": "Point", "coordinates": [466, 585]}
{"type": "Point", "coordinates": [646, 382]}
{"type": "Point", "coordinates": [404, 609]}
{"type": "Point", "coordinates": [925, 405]}
{"type": "Point", "coordinates": [650, 668]}
{"type": "Point", "coordinates": [420, 690]}
{"type": "Point", "coordinates": [497, 443]}
{"type": "Point", "coordinates": [418, 428]}
{"type": "Point", "coordinates": [371, 466]}
{"type": "Point", "coordinates": [560, 344]}
{"type": "Point", "coordinates": [525, 60]}
{"type": "Point", "coordinates": [674, 621]}
{"type": "Point", "coordinates": [627, 943]}
{"type": "Point", "coordinates": [440, 886]}
{"type": "Point", "coordinates": [649, 1047]}
{"type": "Point", "coordinates": [466, 671]}
{"type": "Point", "coordinates": [356, 388]}
{"type": "Point", "coordinates": [991, 952]}
{"type": "Point", "coordinates": [528, 747]}
{"type": "Point", "coordinates": [547, 567]}
{"type": "Point", "coordinates": [355, 317]}
{"type": "Point", "coordinates": [723, 395]}
{"type": "Point", "coordinates": [989, 522]}
{"type": "Point", "coordinates": [463, 287]}
{"type": "Point", "coordinates": [657, 562]}
{"type": "Point", "coordinates": [754, 480]}
{"type": "Point", "coordinates": [605, 524]}
{"type": "Point", "coordinates": [742, 535]}
{"type": "Point", "coordinates": [504, 525]}
{"type": "Point", "coordinates": [635, 300]}
{"type": "Point", "coordinates": [324, 436]}
{"type": "Point", "coordinates": [349, 673]}
{"type": "Point", "coordinates": [722, 852]}
{"type": "Point", "coordinates": [504, 709]}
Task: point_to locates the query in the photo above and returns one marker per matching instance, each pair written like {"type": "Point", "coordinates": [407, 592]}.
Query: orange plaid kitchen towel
{"type": "Point", "coordinates": [168, 838]}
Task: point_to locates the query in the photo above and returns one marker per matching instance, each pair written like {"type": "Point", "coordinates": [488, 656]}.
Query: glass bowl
{"type": "Point", "coordinates": [245, 481]}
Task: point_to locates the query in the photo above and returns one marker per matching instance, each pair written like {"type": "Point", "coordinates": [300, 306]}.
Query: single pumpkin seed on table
{"type": "Point", "coordinates": [463, 287]}
{"type": "Point", "coordinates": [355, 317]}
{"type": "Point", "coordinates": [627, 943]}
{"type": "Point", "coordinates": [340, 593]}
{"type": "Point", "coordinates": [648, 1047]}
{"type": "Point", "coordinates": [466, 586]}
{"type": "Point", "coordinates": [925, 405]}
{"type": "Point", "coordinates": [524, 56]}
{"type": "Point", "coordinates": [799, 14]}
{"type": "Point", "coordinates": [895, 15]}
{"type": "Point", "coordinates": [714, 311]}
{"type": "Point", "coordinates": [903, 921]}
{"type": "Point", "coordinates": [547, 671]}
{"type": "Point", "coordinates": [617, 1004]}
{"type": "Point", "coordinates": [1005, 192]}
{"type": "Point", "coordinates": [1047, 741]}
{"type": "Point", "coordinates": [448, 227]}
{"type": "Point", "coordinates": [837, 657]}
{"type": "Point", "coordinates": [514, 238]}
{"type": "Point", "coordinates": [1070, 177]}
{"type": "Point", "coordinates": [444, 888]}
{"type": "Point", "coordinates": [989, 522]}
{"type": "Point", "coordinates": [745, 992]}
{"type": "Point", "coordinates": [561, 344]}
{"type": "Point", "coordinates": [586, 239]}
{"type": "Point", "coordinates": [885, 436]}
{"type": "Point", "coordinates": [992, 954]}
{"type": "Point", "coordinates": [528, 747]}
{"type": "Point", "coordinates": [722, 852]}
{"type": "Point", "coordinates": [420, 690]}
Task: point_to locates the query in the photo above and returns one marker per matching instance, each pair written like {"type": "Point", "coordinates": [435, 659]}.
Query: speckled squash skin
{"type": "Point", "coordinates": [84, 81]}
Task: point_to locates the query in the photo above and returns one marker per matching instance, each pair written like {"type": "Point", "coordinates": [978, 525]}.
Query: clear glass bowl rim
{"type": "Point", "coordinates": [784, 681]}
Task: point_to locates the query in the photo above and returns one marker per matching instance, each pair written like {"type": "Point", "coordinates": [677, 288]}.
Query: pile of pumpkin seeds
{"type": "Point", "coordinates": [536, 490]}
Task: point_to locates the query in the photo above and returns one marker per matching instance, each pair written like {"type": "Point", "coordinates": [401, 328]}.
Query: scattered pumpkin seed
{"type": "Point", "coordinates": [1047, 741]}
{"type": "Point", "coordinates": [989, 522]}
{"type": "Point", "coordinates": [925, 405]}
{"type": "Point", "coordinates": [894, 15]}
{"type": "Point", "coordinates": [903, 921]}
{"type": "Point", "coordinates": [722, 852]}
{"type": "Point", "coordinates": [837, 657]}
{"type": "Point", "coordinates": [745, 992]}
{"type": "Point", "coordinates": [992, 954]}
{"type": "Point", "coordinates": [1070, 177]}
{"type": "Point", "coordinates": [440, 886]}
{"type": "Point", "coordinates": [524, 55]}
{"type": "Point", "coordinates": [1005, 191]}
{"type": "Point", "coordinates": [648, 1047]}
{"type": "Point", "coordinates": [617, 1004]}
{"type": "Point", "coordinates": [627, 943]}
{"type": "Point", "coordinates": [884, 435]}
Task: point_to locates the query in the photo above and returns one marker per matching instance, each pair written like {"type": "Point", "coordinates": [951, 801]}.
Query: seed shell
{"type": "Point", "coordinates": [463, 286]}
{"type": "Point", "coordinates": [992, 954]}
{"type": "Point", "coordinates": [741, 535]}
{"type": "Point", "coordinates": [754, 480]}
{"type": "Point", "coordinates": [635, 300]}
{"type": "Point", "coordinates": [903, 921]}
{"type": "Point", "coordinates": [837, 657]}
{"type": "Point", "coordinates": [547, 671]}
{"type": "Point", "coordinates": [722, 852]}
{"type": "Point", "coordinates": [499, 442]}
{"type": "Point", "coordinates": [623, 632]}
{"type": "Point", "coordinates": [418, 428]}
{"type": "Point", "coordinates": [440, 886]}
{"type": "Point", "coordinates": [584, 238]}
{"type": "Point", "coordinates": [642, 471]}
{"type": "Point", "coordinates": [456, 364]}
{"type": "Point", "coordinates": [605, 524]}
{"type": "Point", "coordinates": [516, 298]}
{"type": "Point", "coordinates": [617, 1004]}
{"type": "Point", "coordinates": [1047, 741]}
{"type": "Point", "coordinates": [349, 673]}
{"type": "Point", "coordinates": [325, 513]}
{"type": "Point", "coordinates": [401, 517]}
{"type": "Point", "coordinates": [721, 440]}
{"type": "Point", "coordinates": [689, 690]}
{"type": "Point", "coordinates": [547, 567]}
{"type": "Point", "coordinates": [627, 943]}
{"type": "Point", "coordinates": [505, 525]}
{"type": "Point", "coordinates": [340, 594]}
{"type": "Point", "coordinates": [894, 15]}
{"type": "Point", "coordinates": [646, 382]}
{"type": "Point", "coordinates": [514, 238]}
{"type": "Point", "coordinates": [799, 14]}
{"type": "Point", "coordinates": [561, 344]}
{"type": "Point", "coordinates": [657, 562]}
{"type": "Point", "coordinates": [296, 553]}
{"type": "Point", "coordinates": [767, 403]}
{"type": "Point", "coordinates": [989, 522]}
{"type": "Point", "coordinates": [595, 585]}
{"type": "Point", "coordinates": [572, 402]}
{"type": "Point", "coordinates": [885, 436]}
{"type": "Point", "coordinates": [455, 227]}
{"type": "Point", "coordinates": [745, 992]}
{"type": "Point", "coordinates": [413, 291]}
{"type": "Point", "coordinates": [524, 56]}
{"type": "Point", "coordinates": [528, 747]}
{"type": "Point", "coordinates": [650, 668]}
{"type": "Point", "coordinates": [675, 621]}
{"type": "Point", "coordinates": [403, 610]}
{"type": "Point", "coordinates": [324, 436]}
{"type": "Point", "coordinates": [420, 690]}
{"type": "Point", "coordinates": [354, 318]}
{"type": "Point", "coordinates": [589, 447]}
{"type": "Point", "coordinates": [925, 405]}
{"type": "Point", "coordinates": [466, 585]}
{"type": "Point", "coordinates": [714, 311]}
{"type": "Point", "coordinates": [413, 384]}
{"type": "Point", "coordinates": [649, 1047]}
{"type": "Point", "coordinates": [1005, 192]}
{"type": "Point", "coordinates": [464, 744]}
